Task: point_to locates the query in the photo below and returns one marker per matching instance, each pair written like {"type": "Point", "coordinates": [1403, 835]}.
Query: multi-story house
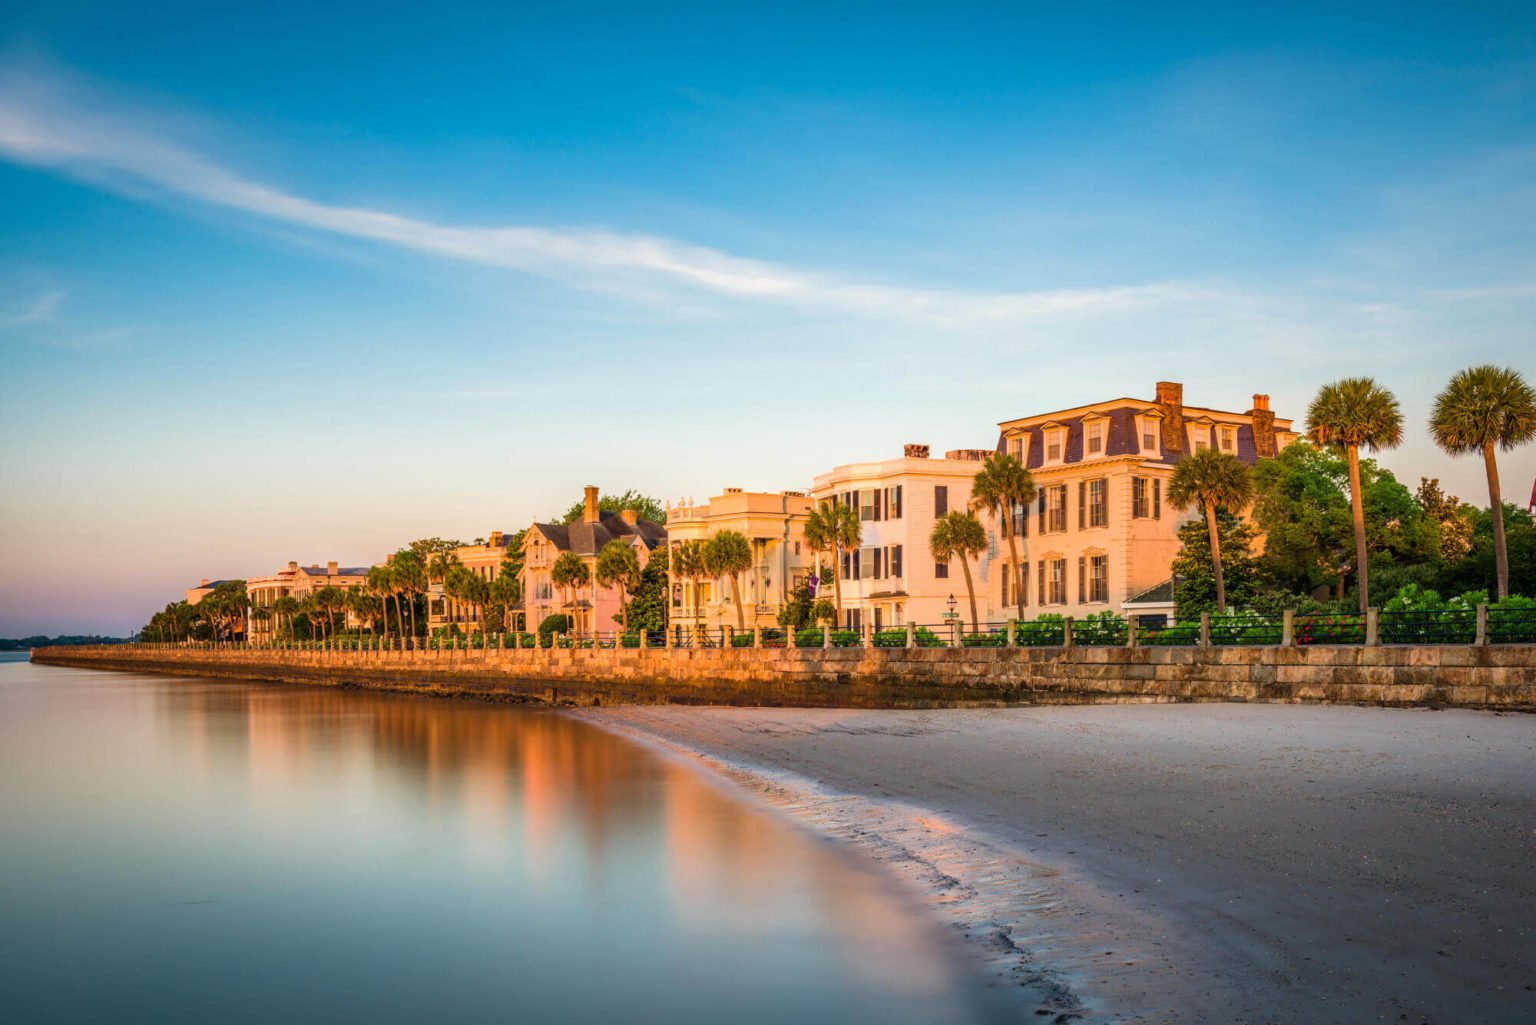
{"type": "Point", "coordinates": [893, 578]}
{"type": "Point", "coordinates": [1101, 533]}
{"type": "Point", "coordinates": [592, 608]}
{"type": "Point", "coordinates": [484, 560]}
{"type": "Point", "coordinates": [773, 523]}
{"type": "Point", "coordinates": [204, 588]}
{"type": "Point", "coordinates": [297, 582]}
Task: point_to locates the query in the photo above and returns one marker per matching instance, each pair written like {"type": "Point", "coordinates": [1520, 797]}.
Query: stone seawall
{"type": "Point", "coordinates": [1497, 677]}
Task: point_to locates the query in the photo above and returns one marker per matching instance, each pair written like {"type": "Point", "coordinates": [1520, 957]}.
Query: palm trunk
{"type": "Point", "coordinates": [837, 586]}
{"type": "Point", "coordinates": [970, 590]}
{"type": "Point", "coordinates": [1221, 583]}
{"type": "Point", "coordinates": [1013, 553]}
{"type": "Point", "coordinates": [1357, 508]}
{"type": "Point", "coordinates": [1496, 506]}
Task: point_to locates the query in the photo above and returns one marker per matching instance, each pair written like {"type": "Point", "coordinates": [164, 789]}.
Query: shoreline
{"type": "Point", "coordinates": [1178, 863]}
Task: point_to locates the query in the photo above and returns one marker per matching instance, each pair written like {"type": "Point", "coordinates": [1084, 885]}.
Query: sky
{"type": "Point", "coordinates": [298, 281]}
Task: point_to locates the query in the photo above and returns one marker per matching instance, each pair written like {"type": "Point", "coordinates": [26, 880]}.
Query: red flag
{"type": "Point", "coordinates": [1532, 507]}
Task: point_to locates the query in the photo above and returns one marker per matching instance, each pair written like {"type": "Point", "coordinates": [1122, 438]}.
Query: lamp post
{"type": "Point", "coordinates": [951, 617]}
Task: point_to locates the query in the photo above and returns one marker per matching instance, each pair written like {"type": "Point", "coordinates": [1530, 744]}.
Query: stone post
{"type": "Point", "coordinates": [757, 637]}
{"type": "Point", "coordinates": [645, 640]}
{"type": "Point", "coordinates": [1013, 633]}
{"type": "Point", "coordinates": [789, 637]}
{"type": "Point", "coordinates": [911, 636]}
{"type": "Point", "coordinates": [869, 635]}
{"type": "Point", "coordinates": [1481, 639]}
{"type": "Point", "coordinates": [1372, 627]}
{"type": "Point", "coordinates": [1205, 629]}
{"type": "Point", "coordinates": [1288, 628]}
{"type": "Point", "coordinates": [826, 636]}
{"type": "Point", "coordinates": [1133, 631]}
{"type": "Point", "coordinates": [666, 638]}
{"type": "Point", "coordinates": [1066, 632]}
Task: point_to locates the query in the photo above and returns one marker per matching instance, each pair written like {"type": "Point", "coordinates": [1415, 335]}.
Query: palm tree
{"type": "Point", "coordinates": [688, 561]}
{"type": "Point", "coordinates": [1482, 408]}
{"type": "Point", "coordinates": [960, 535]}
{"type": "Point", "coordinates": [834, 526]}
{"type": "Point", "coordinates": [619, 566]}
{"type": "Point", "coordinates": [1002, 486]}
{"type": "Point", "coordinates": [1213, 480]}
{"type": "Point", "coordinates": [410, 579]}
{"type": "Point", "coordinates": [284, 607]}
{"type": "Point", "coordinates": [379, 583]}
{"type": "Point", "coordinates": [506, 591]}
{"type": "Point", "coordinates": [1350, 413]}
{"type": "Point", "coordinates": [476, 590]}
{"type": "Point", "coordinates": [440, 567]}
{"type": "Point", "coordinates": [568, 573]}
{"type": "Point", "coordinates": [729, 553]}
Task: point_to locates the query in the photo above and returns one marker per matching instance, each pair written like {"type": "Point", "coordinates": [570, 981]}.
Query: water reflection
{"type": "Point", "coordinates": [182, 850]}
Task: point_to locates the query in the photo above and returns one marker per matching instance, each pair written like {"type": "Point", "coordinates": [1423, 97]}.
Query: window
{"type": "Point", "coordinates": [1053, 582]}
{"type": "Point", "coordinates": [1229, 439]}
{"type": "Point", "coordinates": [940, 500]}
{"type": "Point", "coordinates": [1020, 520]}
{"type": "Point", "coordinates": [867, 558]}
{"type": "Point", "coordinates": [1094, 432]}
{"type": "Point", "coordinates": [1015, 585]}
{"type": "Point", "coordinates": [1098, 502]}
{"type": "Point", "coordinates": [1055, 444]}
{"type": "Point", "coordinates": [940, 569]}
{"type": "Point", "coordinates": [1142, 491]}
{"type": "Point", "coordinates": [867, 505]}
{"type": "Point", "coordinates": [893, 503]}
{"type": "Point", "coordinates": [1098, 578]}
{"type": "Point", "coordinates": [1016, 447]}
{"type": "Point", "coordinates": [1149, 435]}
{"type": "Point", "coordinates": [895, 560]}
{"type": "Point", "coordinates": [1053, 508]}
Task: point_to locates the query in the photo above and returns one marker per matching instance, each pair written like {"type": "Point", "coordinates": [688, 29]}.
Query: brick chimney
{"type": "Point", "coordinates": [915, 451]}
{"type": "Point", "coordinates": [293, 567]}
{"type": "Point", "coordinates": [628, 516]}
{"type": "Point", "coordinates": [589, 504]}
{"type": "Point", "coordinates": [330, 569]}
{"type": "Point", "coordinates": [1170, 400]}
{"type": "Point", "coordinates": [203, 582]}
{"type": "Point", "coordinates": [496, 537]}
{"type": "Point", "coordinates": [1263, 427]}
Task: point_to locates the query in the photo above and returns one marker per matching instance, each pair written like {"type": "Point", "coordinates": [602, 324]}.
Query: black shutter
{"type": "Point", "coordinates": [1082, 579]}
{"type": "Point", "coordinates": [1082, 504]}
{"type": "Point", "coordinates": [1157, 498]}
{"type": "Point", "coordinates": [940, 500]}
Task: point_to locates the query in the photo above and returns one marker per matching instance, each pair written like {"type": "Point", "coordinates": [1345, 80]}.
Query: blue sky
{"type": "Point", "coordinates": [288, 283]}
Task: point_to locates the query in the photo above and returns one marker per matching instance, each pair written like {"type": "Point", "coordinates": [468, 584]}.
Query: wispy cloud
{"type": "Point", "coordinates": [54, 121]}
{"type": "Point", "coordinates": [42, 308]}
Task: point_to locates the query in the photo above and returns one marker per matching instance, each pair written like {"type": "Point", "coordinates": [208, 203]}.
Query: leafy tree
{"type": "Point", "coordinates": [1195, 590]}
{"type": "Point", "coordinates": [425, 548]}
{"type": "Point", "coordinates": [1484, 408]}
{"type": "Point", "coordinates": [570, 573]}
{"type": "Point", "coordinates": [728, 553]}
{"type": "Point", "coordinates": [1301, 503]}
{"type": "Point", "coordinates": [960, 535]}
{"type": "Point", "coordinates": [554, 623]}
{"type": "Point", "coordinates": [618, 566]}
{"type": "Point", "coordinates": [652, 594]}
{"type": "Point", "coordinates": [1350, 413]}
{"type": "Point", "coordinates": [1002, 486]}
{"type": "Point", "coordinates": [1479, 569]}
{"type": "Point", "coordinates": [1213, 480]}
{"type": "Point", "coordinates": [644, 506]}
{"type": "Point", "coordinates": [835, 528]}
{"type": "Point", "coordinates": [1449, 515]}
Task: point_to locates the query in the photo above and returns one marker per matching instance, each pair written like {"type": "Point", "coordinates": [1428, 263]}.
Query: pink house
{"type": "Point", "coordinates": [592, 608]}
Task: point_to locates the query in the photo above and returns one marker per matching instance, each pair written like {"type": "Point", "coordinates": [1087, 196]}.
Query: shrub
{"type": "Point", "coordinates": [742, 640]}
{"type": "Point", "coordinates": [846, 639]}
{"type": "Point", "coordinates": [893, 638]}
{"type": "Point", "coordinates": [556, 623]}
{"type": "Point", "coordinates": [1045, 630]}
{"type": "Point", "coordinates": [991, 639]}
{"type": "Point", "coordinates": [629, 640]}
{"type": "Point", "coordinates": [1173, 635]}
{"type": "Point", "coordinates": [808, 638]}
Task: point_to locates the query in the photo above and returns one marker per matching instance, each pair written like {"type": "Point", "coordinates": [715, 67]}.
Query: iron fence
{"type": "Point", "coordinates": [1512, 626]}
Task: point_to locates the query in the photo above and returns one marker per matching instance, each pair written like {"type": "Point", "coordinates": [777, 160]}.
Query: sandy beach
{"type": "Point", "coordinates": [1182, 863]}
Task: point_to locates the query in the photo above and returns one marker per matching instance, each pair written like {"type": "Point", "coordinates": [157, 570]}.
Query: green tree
{"type": "Point", "coordinates": [1194, 575]}
{"type": "Point", "coordinates": [960, 535]}
{"type": "Point", "coordinates": [285, 607]}
{"type": "Point", "coordinates": [409, 575]}
{"type": "Point", "coordinates": [619, 567]}
{"type": "Point", "coordinates": [506, 592]}
{"type": "Point", "coordinates": [728, 553]}
{"type": "Point", "coordinates": [1449, 514]}
{"type": "Point", "coordinates": [1301, 502]}
{"type": "Point", "coordinates": [652, 594]}
{"type": "Point", "coordinates": [1351, 413]}
{"type": "Point", "coordinates": [570, 573]}
{"type": "Point", "coordinates": [834, 527]}
{"type": "Point", "coordinates": [1483, 409]}
{"type": "Point", "coordinates": [329, 600]}
{"type": "Point", "coordinates": [1002, 487]}
{"type": "Point", "coordinates": [1212, 480]}
{"type": "Point", "coordinates": [644, 506]}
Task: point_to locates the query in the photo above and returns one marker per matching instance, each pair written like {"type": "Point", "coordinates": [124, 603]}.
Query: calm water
{"type": "Point", "coordinates": [196, 851]}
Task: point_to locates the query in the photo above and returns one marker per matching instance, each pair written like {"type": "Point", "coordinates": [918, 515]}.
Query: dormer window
{"type": "Point", "coordinates": [1093, 436]}
{"type": "Point", "coordinates": [1149, 433]}
{"type": "Point", "coordinates": [1018, 447]}
{"type": "Point", "coordinates": [1200, 433]}
{"type": "Point", "coordinates": [1228, 437]}
{"type": "Point", "coordinates": [1055, 444]}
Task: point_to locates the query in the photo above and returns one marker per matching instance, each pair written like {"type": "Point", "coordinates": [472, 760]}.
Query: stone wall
{"type": "Point", "coordinates": [1499, 677]}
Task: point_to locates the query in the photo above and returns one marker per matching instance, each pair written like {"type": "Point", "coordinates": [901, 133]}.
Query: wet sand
{"type": "Point", "coordinates": [1183, 863]}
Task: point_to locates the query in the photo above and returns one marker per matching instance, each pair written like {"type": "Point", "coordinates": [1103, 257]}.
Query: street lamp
{"type": "Point", "coordinates": [951, 604]}
{"type": "Point", "coordinates": [951, 617]}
